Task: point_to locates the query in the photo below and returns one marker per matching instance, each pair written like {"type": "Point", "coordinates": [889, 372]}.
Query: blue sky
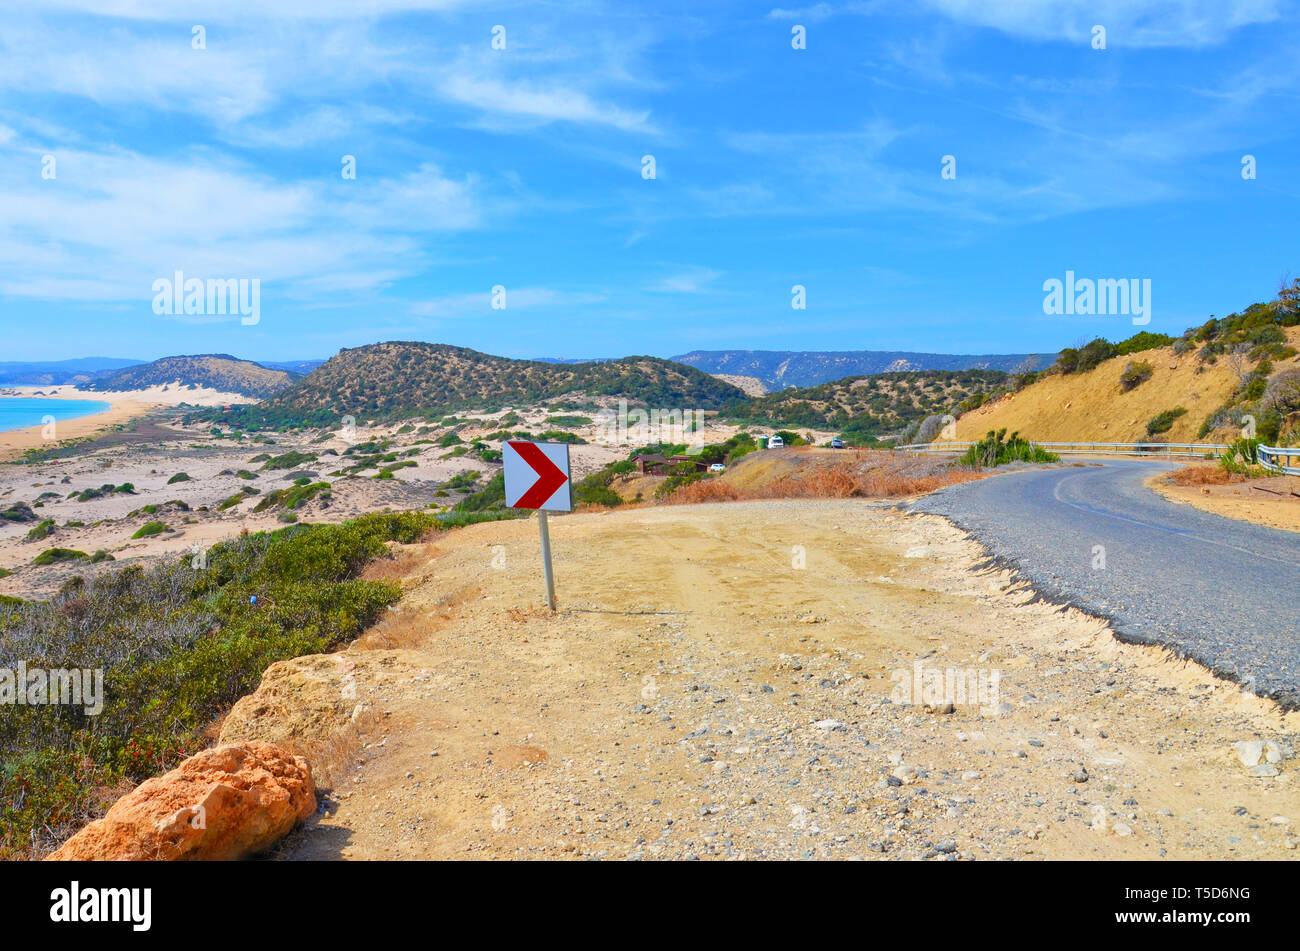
{"type": "Point", "coordinates": [522, 167]}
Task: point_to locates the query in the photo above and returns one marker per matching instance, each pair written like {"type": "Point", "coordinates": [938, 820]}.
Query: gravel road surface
{"type": "Point", "coordinates": [1222, 591]}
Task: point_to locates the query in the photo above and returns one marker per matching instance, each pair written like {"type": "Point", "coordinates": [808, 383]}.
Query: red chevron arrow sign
{"type": "Point", "coordinates": [537, 476]}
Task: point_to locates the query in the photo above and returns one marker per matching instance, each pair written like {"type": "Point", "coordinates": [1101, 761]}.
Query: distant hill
{"type": "Point", "coordinates": [300, 367]}
{"type": "Point", "coordinates": [395, 380]}
{"type": "Point", "coordinates": [58, 372]}
{"type": "Point", "coordinates": [863, 408]}
{"type": "Point", "coordinates": [219, 371]}
{"type": "Point", "coordinates": [777, 369]}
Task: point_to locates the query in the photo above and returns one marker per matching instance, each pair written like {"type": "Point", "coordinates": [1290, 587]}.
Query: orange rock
{"type": "Point", "coordinates": [221, 804]}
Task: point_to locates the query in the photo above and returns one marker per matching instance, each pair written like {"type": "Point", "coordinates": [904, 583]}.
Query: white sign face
{"type": "Point", "coordinates": [537, 475]}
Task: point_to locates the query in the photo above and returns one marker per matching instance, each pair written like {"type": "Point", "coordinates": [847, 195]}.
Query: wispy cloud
{"type": "Point", "coordinates": [810, 14]}
{"type": "Point", "coordinates": [1137, 23]}
{"type": "Point", "coordinates": [479, 304]}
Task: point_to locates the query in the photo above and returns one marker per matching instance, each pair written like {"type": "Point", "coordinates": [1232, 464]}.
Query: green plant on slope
{"type": "Point", "coordinates": [995, 450]}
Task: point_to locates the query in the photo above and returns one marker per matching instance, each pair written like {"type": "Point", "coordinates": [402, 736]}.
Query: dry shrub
{"type": "Point", "coordinates": [333, 756]}
{"type": "Point", "coordinates": [708, 490]}
{"type": "Point", "coordinates": [403, 563]}
{"type": "Point", "coordinates": [1204, 475]}
{"type": "Point", "coordinates": [401, 628]}
{"type": "Point", "coordinates": [871, 475]}
{"type": "Point", "coordinates": [411, 624]}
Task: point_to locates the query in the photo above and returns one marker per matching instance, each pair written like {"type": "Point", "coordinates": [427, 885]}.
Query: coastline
{"type": "Point", "coordinates": [14, 442]}
{"type": "Point", "coordinates": [124, 406]}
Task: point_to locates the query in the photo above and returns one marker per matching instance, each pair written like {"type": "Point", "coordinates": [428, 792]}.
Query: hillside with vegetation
{"type": "Point", "coordinates": [1209, 384]}
{"type": "Point", "coordinates": [217, 371]}
{"type": "Point", "coordinates": [864, 409]}
{"type": "Point", "coordinates": [399, 380]}
{"type": "Point", "coordinates": [777, 369]}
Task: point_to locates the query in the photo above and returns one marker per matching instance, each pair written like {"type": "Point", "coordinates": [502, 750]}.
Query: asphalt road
{"type": "Point", "coordinates": [1222, 591]}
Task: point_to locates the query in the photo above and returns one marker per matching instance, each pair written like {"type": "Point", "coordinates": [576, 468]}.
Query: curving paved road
{"type": "Point", "coordinates": [1222, 591]}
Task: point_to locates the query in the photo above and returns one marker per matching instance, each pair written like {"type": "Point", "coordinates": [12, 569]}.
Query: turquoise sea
{"type": "Point", "coordinates": [21, 412]}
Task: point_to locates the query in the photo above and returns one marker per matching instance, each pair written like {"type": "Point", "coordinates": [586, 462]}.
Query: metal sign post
{"type": "Point", "coordinates": [537, 477]}
{"type": "Point", "coordinates": [546, 560]}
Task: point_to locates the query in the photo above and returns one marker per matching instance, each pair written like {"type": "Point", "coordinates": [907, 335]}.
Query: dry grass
{"type": "Point", "coordinates": [409, 623]}
{"type": "Point", "coordinates": [875, 475]}
{"type": "Point", "coordinates": [402, 627]}
{"type": "Point", "coordinates": [402, 565]}
{"type": "Point", "coordinates": [332, 757]}
{"type": "Point", "coordinates": [1205, 475]}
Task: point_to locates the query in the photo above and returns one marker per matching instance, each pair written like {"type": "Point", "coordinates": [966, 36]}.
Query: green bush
{"type": "Point", "coordinates": [289, 460]}
{"type": "Point", "coordinates": [1135, 374]}
{"type": "Point", "coordinates": [18, 512]}
{"type": "Point", "coordinates": [43, 530]}
{"type": "Point", "coordinates": [87, 495]}
{"type": "Point", "coordinates": [1164, 421]}
{"type": "Point", "coordinates": [151, 528]}
{"type": "Point", "coordinates": [1143, 340]}
{"type": "Point", "coordinates": [53, 555]}
{"type": "Point", "coordinates": [597, 495]}
{"type": "Point", "coordinates": [994, 450]}
{"type": "Point", "coordinates": [178, 646]}
{"type": "Point", "coordinates": [294, 497]}
{"type": "Point", "coordinates": [1087, 357]}
{"type": "Point", "coordinates": [179, 477]}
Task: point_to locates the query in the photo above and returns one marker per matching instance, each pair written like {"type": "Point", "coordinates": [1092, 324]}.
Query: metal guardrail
{"type": "Point", "coordinates": [1190, 450]}
{"type": "Point", "coordinates": [1270, 457]}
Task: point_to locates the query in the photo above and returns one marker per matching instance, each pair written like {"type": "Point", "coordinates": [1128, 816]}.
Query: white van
{"type": "Point", "coordinates": [775, 442]}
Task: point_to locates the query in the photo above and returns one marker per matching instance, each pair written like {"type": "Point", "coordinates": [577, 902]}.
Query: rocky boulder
{"type": "Point", "coordinates": [220, 804]}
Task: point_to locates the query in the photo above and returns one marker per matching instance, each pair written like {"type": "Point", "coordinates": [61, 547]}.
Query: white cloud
{"type": "Point", "coordinates": [110, 223]}
{"type": "Point", "coordinates": [115, 68]}
{"type": "Point", "coordinates": [479, 304]}
{"type": "Point", "coordinates": [197, 11]}
{"type": "Point", "coordinates": [533, 101]}
{"type": "Point", "coordinates": [818, 11]}
{"type": "Point", "coordinates": [1137, 23]}
{"type": "Point", "coordinates": [692, 281]}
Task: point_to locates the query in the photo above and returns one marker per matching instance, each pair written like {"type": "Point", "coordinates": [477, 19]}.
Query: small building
{"type": "Point", "coordinates": [693, 460]}
{"type": "Point", "coordinates": [652, 463]}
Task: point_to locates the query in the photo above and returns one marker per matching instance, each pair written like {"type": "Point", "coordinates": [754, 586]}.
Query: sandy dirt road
{"type": "Point", "coordinates": [719, 683]}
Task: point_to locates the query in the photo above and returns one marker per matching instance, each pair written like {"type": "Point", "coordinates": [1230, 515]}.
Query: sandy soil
{"type": "Point", "coordinates": [720, 683]}
{"type": "Point", "coordinates": [751, 385]}
{"type": "Point", "coordinates": [1253, 500]}
{"type": "Point", "coordinates": [150, 452]}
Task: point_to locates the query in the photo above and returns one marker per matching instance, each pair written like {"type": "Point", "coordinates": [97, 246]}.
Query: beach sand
{"type": "Point", "coordinates": [123, 407]}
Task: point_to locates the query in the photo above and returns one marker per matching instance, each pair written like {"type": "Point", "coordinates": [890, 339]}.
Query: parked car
{"type": "Point", "coordinates": [775, 442]}
{"type": "Point", "coordinates": [717, 467]}
{"type": "Point", "coordinates": [837, 443]}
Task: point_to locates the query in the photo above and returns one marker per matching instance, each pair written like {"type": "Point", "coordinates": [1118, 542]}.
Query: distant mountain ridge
{"type": "Point", "coordinates": [404, 379]}
{"type": "Point", "coordinates": [778, 369]}
{"type": "Point", "coordinates": [301, 367]}
{"type": "Point", "coordinates": [59, 372]}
